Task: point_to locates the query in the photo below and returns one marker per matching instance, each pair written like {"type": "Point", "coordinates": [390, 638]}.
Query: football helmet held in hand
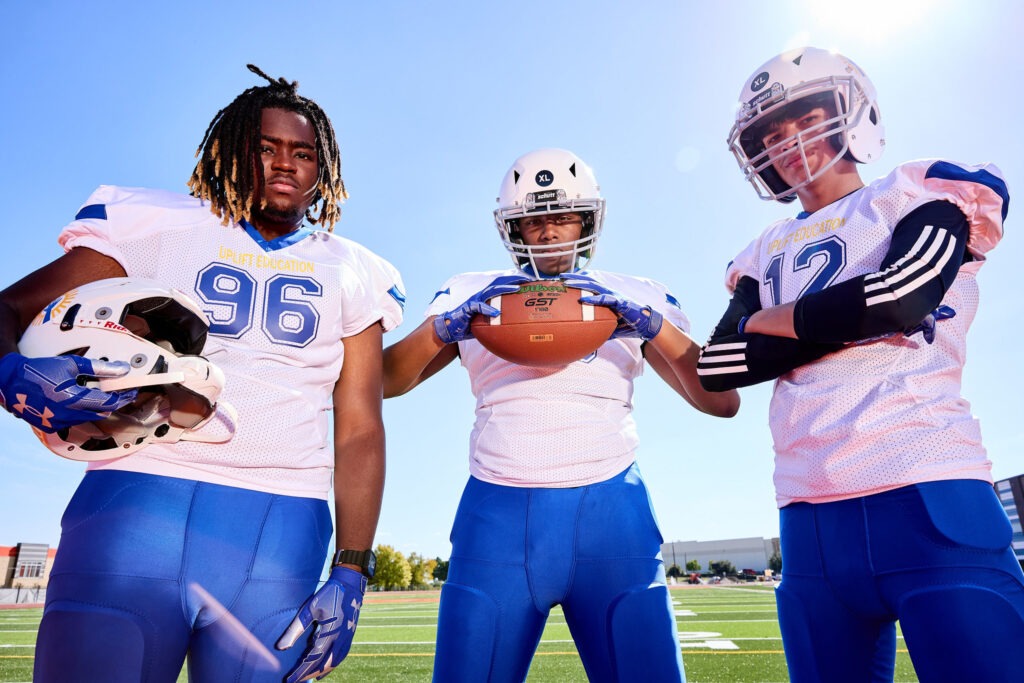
{"type": "Point", "coordinates": [159, 333]}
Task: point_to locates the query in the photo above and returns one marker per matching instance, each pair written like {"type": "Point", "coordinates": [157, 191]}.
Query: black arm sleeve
{"type": "Point", "coordinates": [928, 247]}
{"type": "Point", "coordinates": [730, 360]}
{"type": "Point", "coordinates": [745, 302]}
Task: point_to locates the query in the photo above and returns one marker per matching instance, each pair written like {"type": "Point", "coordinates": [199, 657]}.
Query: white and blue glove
{"type": "Point", "coordinates": [634, 320]}
{"type": "Point", "coordinates": [453, 326]}
{"type": "Point", "coordinates": [927, 326]}
{"type": "Point", "coordinates": [50, 393]}
{"type": "Point", "coordinates": [335, 609]}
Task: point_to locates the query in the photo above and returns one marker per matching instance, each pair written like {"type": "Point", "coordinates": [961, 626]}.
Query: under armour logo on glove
{"type": "Point", "coordinates": [335, 609]}
{"type": "Point", "coordinates": [22, 407]}
{"type": "Point", "coordinates": [49, 392]}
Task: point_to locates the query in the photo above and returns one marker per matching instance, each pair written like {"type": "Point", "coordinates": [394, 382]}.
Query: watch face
{"type": "Point", "coordinates": [371, 564]}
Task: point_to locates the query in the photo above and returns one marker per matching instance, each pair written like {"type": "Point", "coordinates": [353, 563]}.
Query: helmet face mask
{"type": "Point", "coordinates": [544, 182]}
{"type": "Point", "coordinates": [159, 332]}
{"type": "Point", "coordinates": [789, 84]}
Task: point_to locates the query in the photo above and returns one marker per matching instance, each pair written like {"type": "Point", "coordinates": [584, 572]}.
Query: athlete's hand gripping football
{"type": "Point", "coordinates": [335, 609]}
{"type": "Point", "coordinates": [50, 395]}
{"type": "Point", "coordinates": [453, 326]}
{"type": "Point", "coordinates": [634, 320]}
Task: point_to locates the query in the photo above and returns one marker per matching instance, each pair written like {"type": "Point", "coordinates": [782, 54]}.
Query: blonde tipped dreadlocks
{"type": "Point", "coordinates": [229, 169]}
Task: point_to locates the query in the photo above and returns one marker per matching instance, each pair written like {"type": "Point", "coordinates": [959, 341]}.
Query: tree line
{"type": "Point", "coordinates": [395, 571]}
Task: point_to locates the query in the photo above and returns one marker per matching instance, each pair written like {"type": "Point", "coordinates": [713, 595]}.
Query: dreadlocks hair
{"type": "Point", "coordinates": [229, 169]}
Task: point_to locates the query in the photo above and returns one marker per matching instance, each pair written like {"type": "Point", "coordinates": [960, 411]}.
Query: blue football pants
{"type": "Point", "coordinates": [936, 556]}
{"type": "Point", "coordinates": [147, 566]}
{"type": "Point", "coordinates": [595, 550]}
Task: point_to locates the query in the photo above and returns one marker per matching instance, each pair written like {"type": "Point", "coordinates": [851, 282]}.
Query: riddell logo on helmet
{"type": "Point", "coordinates": [545, 178]}
{"type": "Point", "coordinates": [103, 324]}
{"type": "Point", "coordinates": [760, 80]}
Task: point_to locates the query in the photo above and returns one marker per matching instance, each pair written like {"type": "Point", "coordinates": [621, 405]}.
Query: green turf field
{"type": "Point", "coordinates": [729, 634]}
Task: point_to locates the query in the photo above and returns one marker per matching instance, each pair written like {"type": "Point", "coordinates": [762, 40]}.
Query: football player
{"type": "Point", "coordinates": [555, 511]}
{"type": "Point", "coordinates": [859, 308]}
{"type": "Point", "coordinates": [161, 547]}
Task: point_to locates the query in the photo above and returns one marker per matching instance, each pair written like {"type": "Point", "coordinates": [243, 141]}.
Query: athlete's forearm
{"type": "Point", "coordinates": [927, 249]}
{"type": "Point", "coordinates": [415, 358]}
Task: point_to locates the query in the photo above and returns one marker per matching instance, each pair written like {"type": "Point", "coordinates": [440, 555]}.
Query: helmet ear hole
{"type": "Point", "coordinates": [69, 318]}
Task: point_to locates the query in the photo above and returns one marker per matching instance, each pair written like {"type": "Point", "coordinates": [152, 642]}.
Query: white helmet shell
{"type": "Point", "coordinates": [549, 181]}
{"type": "Point", "coordinates": [159, 332]}
{"type": "Point", "coordinates": [856, 128]}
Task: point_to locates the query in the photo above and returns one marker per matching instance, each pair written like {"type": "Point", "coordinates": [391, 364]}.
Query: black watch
{"type": "Point", "coordinates": [365, 559]}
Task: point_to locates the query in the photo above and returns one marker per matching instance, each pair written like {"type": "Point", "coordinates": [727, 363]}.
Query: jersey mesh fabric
{"type": "Point", "coordinates": [879, 415]}
{"type": "Point", "coordinates": [555, 427]}
{"type": "Point", "coordinates": [278, 312]}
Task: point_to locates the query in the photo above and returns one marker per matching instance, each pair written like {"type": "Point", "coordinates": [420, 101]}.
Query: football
{"type": "Point", "coordinates": [544, 324]}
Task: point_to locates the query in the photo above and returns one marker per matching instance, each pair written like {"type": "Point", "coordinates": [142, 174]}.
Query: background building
{"type": "Point", "coordinates": [25, 570]}
{"type": "Point", "coordinates": [1011, 494]}
{"type": "Point", "coordinates": [744, 553]}
{"type": "Point", "coordinates": [755, 553]}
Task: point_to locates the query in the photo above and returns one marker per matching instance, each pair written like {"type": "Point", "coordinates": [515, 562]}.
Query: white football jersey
{"type": "Point", "coordinates": [278, 312]}
{"type": "Point", "coordinates": [555, 427]}
{"type": "Point", "coordinates": [888, 413]}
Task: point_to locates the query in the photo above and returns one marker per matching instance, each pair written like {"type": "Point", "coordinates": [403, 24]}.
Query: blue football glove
{"type": "Point", "coordinates": [927, 326]}
{"type": "Point", "coordinates": [50, 395]}
{"type": "Point", "coordinates": [335, 609]}
{"type": "Point", "coordinates": [453, 326]}
{"type": "Point", "coordinates": [634, 320]}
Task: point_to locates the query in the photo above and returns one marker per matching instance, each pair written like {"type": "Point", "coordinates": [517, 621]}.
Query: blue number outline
{"type": "Point", "coordinates": [206, 288]}
{"type": "Point", "coordinates": [279, 298]}
{"type": "Point", "coordinates": [834, 251]}
{"type": "Point", "coordinates": [276, 302]}
{"type": "Point", "coordinates": [831, 248]}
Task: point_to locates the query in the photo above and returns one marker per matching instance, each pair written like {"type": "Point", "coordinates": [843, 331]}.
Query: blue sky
{"type": "Point", "coordinates": [431, 103]}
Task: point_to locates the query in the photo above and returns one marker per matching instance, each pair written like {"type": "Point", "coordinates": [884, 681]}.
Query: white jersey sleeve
{"type": "Point", "coordinates": [554, 427]}
{"type": "Point", "coordinates": [278, 313]}
{"type": "Point", "coordinates": [978, 190]}
{"type": "Point", "coordinates": [745, 264]}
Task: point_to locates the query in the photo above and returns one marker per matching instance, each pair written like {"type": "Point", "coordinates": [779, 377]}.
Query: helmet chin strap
{"type": "Point", "coordinates": [135, 381]}
{"type": "Point", "coordinates": [224, 416]}
{"type": "Point", "coordinates": [540, 275]}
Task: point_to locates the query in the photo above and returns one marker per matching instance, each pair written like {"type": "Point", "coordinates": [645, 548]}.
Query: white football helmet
{"type": "Point", "coordinates": [829, 80]}
{"type": "Point", "coordinates": [548, 181]}
{"type": "Point", "coordinates": [159, 332]}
